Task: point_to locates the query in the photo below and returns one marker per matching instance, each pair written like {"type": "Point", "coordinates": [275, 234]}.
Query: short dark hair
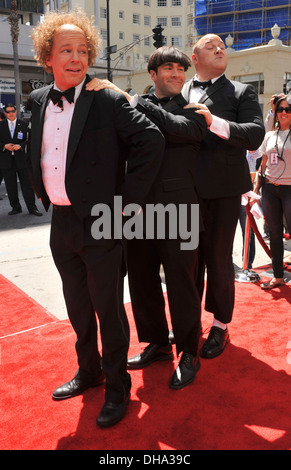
{"type": "Point", "coordinates": [168, 54]}
{"type": "Point", "coordinates": [9, 105]}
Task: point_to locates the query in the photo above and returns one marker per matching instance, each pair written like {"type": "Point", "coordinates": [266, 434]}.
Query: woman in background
{"type": "Point", "coordinates": [276, 190]}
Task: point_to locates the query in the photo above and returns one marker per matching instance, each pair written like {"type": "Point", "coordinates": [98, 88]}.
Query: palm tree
{"type": "Point", "coordinates": [13, 20]}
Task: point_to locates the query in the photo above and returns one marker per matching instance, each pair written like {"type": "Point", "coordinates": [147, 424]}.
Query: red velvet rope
{"type": "Point", "coordinates": [256, 231]}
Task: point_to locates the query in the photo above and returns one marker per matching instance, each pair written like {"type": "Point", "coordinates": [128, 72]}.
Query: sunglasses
{"type": "Point", "coordinates": [8, 112]}
{"type": "Point", "coordinates": [287, 110]}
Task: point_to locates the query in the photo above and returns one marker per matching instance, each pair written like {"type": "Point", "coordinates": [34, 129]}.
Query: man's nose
{"type": "Point", "coordinates": [75, 56]}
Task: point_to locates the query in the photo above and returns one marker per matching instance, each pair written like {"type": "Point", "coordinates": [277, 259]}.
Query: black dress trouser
{"type": "Point", "coordinates": [92, 284]}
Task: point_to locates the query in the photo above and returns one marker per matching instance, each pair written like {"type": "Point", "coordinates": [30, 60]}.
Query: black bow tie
{"type": "Point", "coordinates": [156, 100]}
{"type": "Point", "coordinates": [203, 85]}
{"type": "Point", "coordinates": [56, 96]}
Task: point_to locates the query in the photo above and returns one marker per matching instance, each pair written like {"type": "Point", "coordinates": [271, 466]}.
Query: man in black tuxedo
{"type": "Point", "coordinates": [222, 176]}
{"type": "Point", "coordinates": [174, 185]}
{"type": "Point", "coordinates": [80, 144]}
{"type": "Point", "coordinates": [13, 138]}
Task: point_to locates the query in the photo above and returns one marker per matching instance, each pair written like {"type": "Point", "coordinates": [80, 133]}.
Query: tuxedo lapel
{"type": "Point", "coordinates": [186, 90]}
{"type": "Point", "coordinates": [39, 107]}
{"type": "Point", "coordinates": [175, 104]}
{"type": "Point", "coordinates": [81, 111]}
{"type": "Point", "coordinates": [7, 131]}
{"type": "Point", "coordinates": [212, 89]}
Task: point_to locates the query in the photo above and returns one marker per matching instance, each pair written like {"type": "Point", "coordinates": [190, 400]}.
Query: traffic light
{"type": "Point", "coordinates": [158, 37]}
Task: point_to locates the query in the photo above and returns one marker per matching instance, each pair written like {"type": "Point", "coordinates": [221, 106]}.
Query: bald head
{"type": "Point", "coordinates": [209, 57]}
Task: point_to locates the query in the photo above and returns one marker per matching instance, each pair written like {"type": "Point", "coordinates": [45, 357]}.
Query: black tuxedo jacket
{"type": "Point", "coordinates": [106, 136]}
{"type": "Point", "coordinates": [222, 169]}
{"type": "Point", "coordinates": [183, 130]}
{"type": "Point", "coordinates": [19, 137]}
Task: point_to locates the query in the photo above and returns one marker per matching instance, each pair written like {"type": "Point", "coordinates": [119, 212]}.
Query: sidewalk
{"type": "Point", "coordinates": [25, 257]}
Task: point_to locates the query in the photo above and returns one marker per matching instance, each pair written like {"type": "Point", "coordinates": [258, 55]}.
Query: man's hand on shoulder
{"type": "Point", "coordinates": [202, 109]}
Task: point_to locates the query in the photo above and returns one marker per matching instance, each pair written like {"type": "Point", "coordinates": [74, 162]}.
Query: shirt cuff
{"type": "Point", "coordinates": [133, 101]}
{"type": "Point", "coordinates": [220, 127]}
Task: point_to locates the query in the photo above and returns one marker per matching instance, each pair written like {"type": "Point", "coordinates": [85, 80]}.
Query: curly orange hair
{"type": "Point", "coordinates": [43, 34]}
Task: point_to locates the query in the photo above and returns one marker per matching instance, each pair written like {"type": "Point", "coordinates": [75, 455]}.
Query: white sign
{"type": "Point", "coordinates": [7, 85]}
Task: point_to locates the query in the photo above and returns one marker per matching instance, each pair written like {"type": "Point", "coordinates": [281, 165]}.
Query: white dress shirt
{"type": "Point", "coordinates": [12, 123]}
{"type": "Point", "coordinates": [56, 130]}
{"type": "Point", "coordinates": [218, 126]}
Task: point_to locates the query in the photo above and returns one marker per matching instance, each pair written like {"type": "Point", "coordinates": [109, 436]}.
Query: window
{"type": "Point", "coordinates": [135, 1]}
{"type": "Point", "coordinates": [257, 80]}
{"type": "Point", "coordinates": [136, 19]}
{"type": "Point", "coordinates": [147, 42]}
{"type": "Point", "coordinates": [121, 15]}
{"type": "Point", "coordinates": [176, 21]}
{"type": "Point", "coordinates": [287, 83]}
{"type": "Point", "coordinates": [136, 37]}
{"type": "Point", "coordinates": [147, 3]}
{"type": "Point", "coordinates": [103, 33]}
{"type": "Point", "coordinates": [121, 35]}
{"type": "Point", "coordinates": [176, 41]}
{"type": "Point", "coordinates": [147, 20]}
{"type": "Point", "coordinates": [162, 3]}
{"type": "Point", "coordinates": [176, 3]}
{"type": "Point", "coordinates": [103, 13]}
{"type": "Point", "coordinates": [162, 20]}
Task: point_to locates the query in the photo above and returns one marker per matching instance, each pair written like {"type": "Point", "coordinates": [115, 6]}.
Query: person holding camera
{"type": "Point", "coordinates": [276, 184]}
{"type": "Point", "coordinates": [270, 116]}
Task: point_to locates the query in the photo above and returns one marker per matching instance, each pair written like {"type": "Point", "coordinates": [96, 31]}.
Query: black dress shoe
{"type": "Point", "coordinates": [76, 387]}
{"type": "Point", "coordinates": [111, 413]}
{"type": "Point", "coordinates": [185, 372]}
{"type": "Point", "coordinates": [15, 211]}
{"type": "Point", "coordinates": [35, 212]}
{"type": "Point", "coordinates": [153, 352]}
{"type": "Point", "coordinates": [215, 343]}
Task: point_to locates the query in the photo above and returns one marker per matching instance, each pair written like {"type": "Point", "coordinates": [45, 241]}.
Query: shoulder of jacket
{"type": "Point", "coordinates": [239, 85]}
{"type": "Point", "coordinates": [35, 94]}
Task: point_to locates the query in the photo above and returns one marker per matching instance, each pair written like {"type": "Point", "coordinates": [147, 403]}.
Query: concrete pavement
{"type": "Point", "coordinates": [25, 257]}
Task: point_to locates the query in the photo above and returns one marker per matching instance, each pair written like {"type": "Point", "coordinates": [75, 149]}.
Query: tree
{"type": "Point", "coordinates": [13, 20]}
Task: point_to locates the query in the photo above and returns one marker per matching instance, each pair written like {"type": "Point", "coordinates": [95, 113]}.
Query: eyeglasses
{"type": "Point", "coordinates": [13, 111]}
{"type": "Point", "coordinates": [281, 109]}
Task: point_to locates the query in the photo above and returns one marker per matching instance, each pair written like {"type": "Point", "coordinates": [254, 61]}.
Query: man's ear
{"type": "Point", "coordinates": [153, 74]}
{"type": "Point", "coordinates": [194, 58]}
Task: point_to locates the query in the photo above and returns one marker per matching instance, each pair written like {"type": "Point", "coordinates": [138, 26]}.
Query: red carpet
{"type": "Point", "coordinates": [240, 400]}
{"type": "Point", "coordinates": [19, 312]}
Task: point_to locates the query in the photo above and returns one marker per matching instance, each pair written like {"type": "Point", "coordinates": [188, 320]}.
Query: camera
{"type": "Point", "coordinates": [276, 98]}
